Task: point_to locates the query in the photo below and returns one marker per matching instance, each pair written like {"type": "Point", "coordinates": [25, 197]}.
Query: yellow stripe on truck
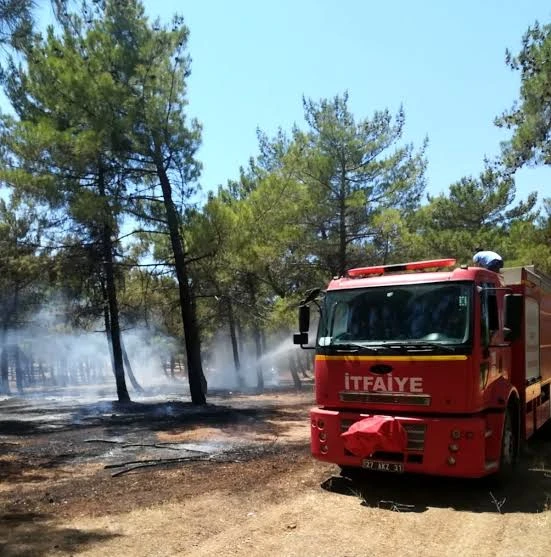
{"type": "Point", "coordinates": [456, 357]}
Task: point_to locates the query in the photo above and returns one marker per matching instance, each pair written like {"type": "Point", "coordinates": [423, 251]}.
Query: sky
{"type": "Point", "coordinates": [443, 61]}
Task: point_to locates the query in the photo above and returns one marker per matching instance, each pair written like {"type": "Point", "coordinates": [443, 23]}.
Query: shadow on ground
{"type": "Point", "coordinates": [528, 492]}
{"type": "Point", "coordinates": [32, 534]}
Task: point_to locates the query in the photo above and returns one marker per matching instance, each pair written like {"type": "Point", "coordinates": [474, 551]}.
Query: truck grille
{"type": "Point", "coordinates": [416, 436]}
{"type": "Point", "coordinates": [385, 398]}
{"type": "Point", "coordinates": [415, 432]}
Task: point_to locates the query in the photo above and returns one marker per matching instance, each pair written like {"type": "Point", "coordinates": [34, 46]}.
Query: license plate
{"type": "Point", "coordinates": [379, 466]}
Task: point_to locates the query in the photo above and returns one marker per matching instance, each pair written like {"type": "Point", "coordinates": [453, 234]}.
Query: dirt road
{"type": "Point", "coordinates": [244, 484]}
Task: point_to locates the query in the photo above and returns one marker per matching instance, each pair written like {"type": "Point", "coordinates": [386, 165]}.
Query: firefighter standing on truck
{"type": "Point", "coordinates": [488, 259]}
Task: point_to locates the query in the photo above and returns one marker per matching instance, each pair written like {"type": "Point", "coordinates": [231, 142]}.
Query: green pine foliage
{"type": "Point", "coordinates": [99, 150]}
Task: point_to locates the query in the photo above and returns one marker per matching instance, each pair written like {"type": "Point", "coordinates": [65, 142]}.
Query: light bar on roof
{"type": "Point", "coordinates": [413, 266]}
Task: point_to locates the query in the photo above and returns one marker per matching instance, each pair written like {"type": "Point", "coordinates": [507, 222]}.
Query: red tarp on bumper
{"type": "Point", "coordinates": [376, 433]}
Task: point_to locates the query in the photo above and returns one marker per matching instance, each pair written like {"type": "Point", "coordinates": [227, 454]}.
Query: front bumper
{"type": "Point", "coordinates": [444, 446]}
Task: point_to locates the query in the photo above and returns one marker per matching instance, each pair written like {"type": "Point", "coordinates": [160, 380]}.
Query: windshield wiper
{"type": "Point", "coordinates": [421, 345]}
{"type": "Point", "coordinates": [351, 347]}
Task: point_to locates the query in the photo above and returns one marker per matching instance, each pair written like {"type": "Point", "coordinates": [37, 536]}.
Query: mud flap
{"type": "Point", "coordinates": [374, 434]}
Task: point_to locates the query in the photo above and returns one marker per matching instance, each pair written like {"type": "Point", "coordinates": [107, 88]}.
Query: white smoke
{"type": "Point", "coordinates": [58, 358]}
{"type": "Point", "coordinates": [53, 355]}
{"type": "Point", "coordinates": [220, 369]}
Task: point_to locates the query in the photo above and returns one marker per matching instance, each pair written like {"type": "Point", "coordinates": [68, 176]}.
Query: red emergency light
{"type": "Point", "coordinates": [413, 266]}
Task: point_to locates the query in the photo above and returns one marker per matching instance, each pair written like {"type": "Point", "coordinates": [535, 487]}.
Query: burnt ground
{"type": "Point", "coordinates": [162, 477]}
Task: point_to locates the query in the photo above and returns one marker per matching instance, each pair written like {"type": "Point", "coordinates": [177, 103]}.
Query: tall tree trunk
{"type": "Point", "coordinates": [240, 336]}
{"type": "Point", "coordinates": [196, 377]}
{"type": "Point", "coordinates": [41, 373]}
{"type": "Point", "coordinates": [129, 371]}
{"type": "Point", "coordinates": [258, 346]}
{"type": "Point", "coordinates": [301, 364]}
{"type": "Point", "coordinates": [18, 369]}
{"type": "Point", "coordinates": [126, 361]}
{"type": "Point", "coordinates": [111, 292]}
{"type": "Point", "coordinates": [62, 368]}
{"type": "Point", "coordinates": [257, 335]}
{"type": "Point", "coordinates": [233, 337]}
{"type": "Point", "coordinates": [32, 376]}
{"type": "Point", "coordinates": [107, 322]}
{"type": "Point", "coordinates": [114, 333]}
{"type": "Point", "coordinates": [172, 365]}
{"type": "Point", "coordinates": [164, 369]}
{"type": "Point", "coordinates": [4, 368]}
{"type": "Point", "coordinates": [264, 342]}
{"type": "Point", "coordinates": [17, 356]}
{"type": "Point", "coordinates": [294, 373]}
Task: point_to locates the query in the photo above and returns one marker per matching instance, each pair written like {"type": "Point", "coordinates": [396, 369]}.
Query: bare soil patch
{"type": "Point", "coordinates": [248, 487]}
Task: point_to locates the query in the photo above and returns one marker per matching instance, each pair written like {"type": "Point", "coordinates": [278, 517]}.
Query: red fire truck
{"type": "Point", "coordinates": [430, 367]}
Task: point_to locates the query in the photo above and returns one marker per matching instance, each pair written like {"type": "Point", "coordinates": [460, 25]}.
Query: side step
{"type": "Point", "coordinates": [491, 464]}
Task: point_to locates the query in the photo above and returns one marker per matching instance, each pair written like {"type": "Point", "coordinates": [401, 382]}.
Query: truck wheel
{"type": "Point", "coordinates": [509, 447]}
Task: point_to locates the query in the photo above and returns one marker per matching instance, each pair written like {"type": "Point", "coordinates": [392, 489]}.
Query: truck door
{"type": "Point", "coordinates": [491, 341]}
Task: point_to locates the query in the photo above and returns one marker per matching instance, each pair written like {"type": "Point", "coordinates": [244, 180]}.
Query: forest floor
{"type": "Point", "coordinates": [243, 483]}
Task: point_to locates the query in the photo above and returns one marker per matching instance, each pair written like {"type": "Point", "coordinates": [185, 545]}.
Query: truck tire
{"type": "Point", "coordinates": [510, 453]}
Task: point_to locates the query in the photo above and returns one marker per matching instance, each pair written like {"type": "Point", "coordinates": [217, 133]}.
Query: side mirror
{"type": "Point", "coordinates": [304, 318]}
{"type": "Point", "coordinates": [304, 323]}
{"type": "Point", "coordinates": [513, 304]}
{"type": "Point", "coordinates": [300, 338]}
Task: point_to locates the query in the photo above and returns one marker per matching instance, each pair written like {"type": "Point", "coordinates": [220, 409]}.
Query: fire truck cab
{"type": "Point", "coordinates": [429, 367]}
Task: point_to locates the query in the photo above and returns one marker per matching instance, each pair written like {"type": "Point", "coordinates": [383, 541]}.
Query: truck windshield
{"type": "Point", "coordinates": [416, 315]}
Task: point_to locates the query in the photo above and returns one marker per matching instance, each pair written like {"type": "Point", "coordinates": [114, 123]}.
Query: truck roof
{"type": "Point", "coordinates": [417, 272]}
{"type": "Point", "coordinates": [459, 274]}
